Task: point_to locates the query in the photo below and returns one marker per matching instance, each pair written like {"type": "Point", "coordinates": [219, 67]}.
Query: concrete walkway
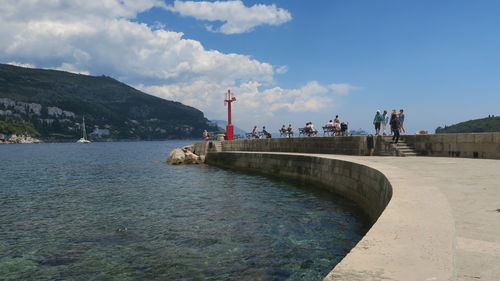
{"type": "Point", "coordinates": [471, 188]}
{"type": "Point", "coordinates": [441, 223]}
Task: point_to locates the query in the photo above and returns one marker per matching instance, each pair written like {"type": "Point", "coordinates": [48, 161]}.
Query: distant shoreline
{"type": "Point", "coordinates": [37, 141]}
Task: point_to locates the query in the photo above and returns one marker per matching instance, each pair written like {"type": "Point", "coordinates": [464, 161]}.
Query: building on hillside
{"type": "Point", "coordinates": [20, 109]}
{"type": "Point", "coordinates": [7, 102]}
{"type": "Point", "coordinates": [35, 108]}
{"type": "Point", "coordinates": [97, 132]}
{"type": "Point", "coordinates": [47, 121]}
{"type": "Point", "coordinates": [68, 114]}
{"type": "Point", "coordinates": [54, 111]}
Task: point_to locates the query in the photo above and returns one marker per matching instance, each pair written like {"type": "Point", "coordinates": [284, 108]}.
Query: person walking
{"type": "Point", "coordinates": [401, 121]}
{"type": "Point", "coordinates": [395, 126]}
{"type": "Point", "coordinates": [377, 121]}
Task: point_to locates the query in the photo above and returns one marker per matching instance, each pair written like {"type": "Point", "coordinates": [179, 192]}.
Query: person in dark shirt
{"type": "Point", "coordinates": [266, 133]}
{"type": "Point", "coordinates": [395, 126]}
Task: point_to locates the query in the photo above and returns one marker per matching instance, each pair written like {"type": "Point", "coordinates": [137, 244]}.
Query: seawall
{"type": "Point", "coordinates": [474, 145]}
{"type": "Point", "coordinates": [412, 235]}
{"type": "Point", "coordinates": [478, 145]}
{"type": "Point", "coordinates": [353, 145]}
{"type": "Point", "coordinates": [364, 185]}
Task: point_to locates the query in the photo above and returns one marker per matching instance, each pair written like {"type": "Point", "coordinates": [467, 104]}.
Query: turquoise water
{"type": "Point", "coordinates": [116, 211]}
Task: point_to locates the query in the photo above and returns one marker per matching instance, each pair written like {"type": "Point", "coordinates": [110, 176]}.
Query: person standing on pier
{"type": "Point", "coordinates": [395, 126]}
{"type": "Point", "coordinates": [385, 121]}
{"type": "Point", "coordinates": [377, 121]}
{"type": "Point", "coordinates": [401, 121]}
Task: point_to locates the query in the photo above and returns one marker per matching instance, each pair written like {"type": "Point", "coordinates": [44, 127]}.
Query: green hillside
{"type": "Point", "coordinates": [488, 124]}
{"type": "Point", "coordinates": [55, 102]}
{"type": "Point", "coordinates": [17, 127]}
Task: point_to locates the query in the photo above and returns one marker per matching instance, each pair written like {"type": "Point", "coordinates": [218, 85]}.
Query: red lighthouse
{"type": "Point", "coordinates": [229, 128]}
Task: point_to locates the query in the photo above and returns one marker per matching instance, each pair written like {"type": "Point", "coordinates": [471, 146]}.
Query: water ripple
{"type": "Point", "coordinates": [115, 211]}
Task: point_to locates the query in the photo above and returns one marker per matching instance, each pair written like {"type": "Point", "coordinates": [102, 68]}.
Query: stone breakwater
{"type": "Point", "coordinates": [434, 218]}
{"type": "Point", "coordinates": [193, 154]}
{"type": "Point", "coordinates": [18, 139]}
{"type": "Point", "coordinates": [185, 155]}
{"type": "Point", "coordinates": [412, 233]}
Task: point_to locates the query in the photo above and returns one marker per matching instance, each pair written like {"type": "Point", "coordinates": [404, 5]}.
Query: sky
{"type": "Point", "coordinates": [286, 61]}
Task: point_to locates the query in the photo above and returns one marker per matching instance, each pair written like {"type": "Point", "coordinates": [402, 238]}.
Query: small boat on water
{"type": "Point", "coordinates": [83, 139]}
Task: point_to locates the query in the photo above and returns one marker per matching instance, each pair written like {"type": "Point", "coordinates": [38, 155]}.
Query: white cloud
{"type": "Point", "coordinates": [342, 88]}
{"type": "Point", "coordinates": [253, 102]}
{"type": "Point", "coordinates": [236, 16]}
{"type": "Point", "coordinates": [282, 69]}
{"type": "Point", "coordinates": [62, 10]}
{"type": "Point", "coordinates": [27, 65]}
{"type": "Point", "coordinates": [102, 44]}
{"type": "Point", "coordinates": [99, 37]}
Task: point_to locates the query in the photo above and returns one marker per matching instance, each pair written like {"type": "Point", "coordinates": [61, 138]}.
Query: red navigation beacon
{"type": "Point", "coordinates": [229, 128]}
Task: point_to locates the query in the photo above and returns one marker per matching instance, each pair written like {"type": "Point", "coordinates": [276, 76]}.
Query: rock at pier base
{"type": "Point", "coordinates": [176, 157]}
{"type": "Point", "coordinates": [191, 158]}
{"type": "Point", "coordinates": [184, 155]}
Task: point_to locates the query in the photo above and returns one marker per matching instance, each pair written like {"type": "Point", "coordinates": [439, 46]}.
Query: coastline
{"type": "Point", "coordinates": [15, 139]}
{"type": "Point", "coordinates": [30, 140]}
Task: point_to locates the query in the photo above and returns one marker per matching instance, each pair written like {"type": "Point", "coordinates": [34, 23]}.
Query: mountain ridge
{"type": "Point", "coordinates": [55, 101]}
{"type": "Point", "coordinates": [482, 125]}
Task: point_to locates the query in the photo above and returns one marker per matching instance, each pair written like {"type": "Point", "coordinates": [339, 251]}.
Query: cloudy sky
{"type": "Point", "coordinates": [287, 61]}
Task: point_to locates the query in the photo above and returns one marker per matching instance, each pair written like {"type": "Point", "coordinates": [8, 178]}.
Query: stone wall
{"type": "Point", "coordinates": [355, 145]}
{"type": "Point", "coordinates": [477, 145]}
{"type": "Point", "coordinates": [364, 185]}
{"type": "Point", "coordinates": [412, 234]}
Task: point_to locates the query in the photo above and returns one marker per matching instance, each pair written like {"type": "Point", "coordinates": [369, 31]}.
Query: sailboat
{"type": "Point", "coordinates": [84, 134]}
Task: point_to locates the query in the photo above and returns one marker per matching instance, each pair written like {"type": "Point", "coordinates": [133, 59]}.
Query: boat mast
{"type": "Point", "coordinates": [84, 133]}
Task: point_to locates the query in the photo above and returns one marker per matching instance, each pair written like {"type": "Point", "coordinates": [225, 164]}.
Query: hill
{"type": "Point", "coordinates": [55, 102]}
{"type": "Point", "coordinates": [488, 124]}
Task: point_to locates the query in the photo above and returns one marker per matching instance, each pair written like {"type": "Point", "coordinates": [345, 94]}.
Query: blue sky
{"type": "Point", "coordinates": [289, 61]}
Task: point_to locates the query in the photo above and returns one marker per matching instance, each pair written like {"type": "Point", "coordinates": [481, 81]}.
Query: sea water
{"type": "Point", "coordinates": [117, 211]}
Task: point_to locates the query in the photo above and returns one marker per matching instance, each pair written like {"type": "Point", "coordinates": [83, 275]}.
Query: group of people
{"type": "Point", "coordinates": [309, 129]}
{"type": "Point", "coordinates": [338, 127]}
{"type": "Point", "coordinates": [395, 121]}
{"type": "Point", "coordinates": [286, 131]}
{"type": "Point", "coordinates": [256, 134]}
